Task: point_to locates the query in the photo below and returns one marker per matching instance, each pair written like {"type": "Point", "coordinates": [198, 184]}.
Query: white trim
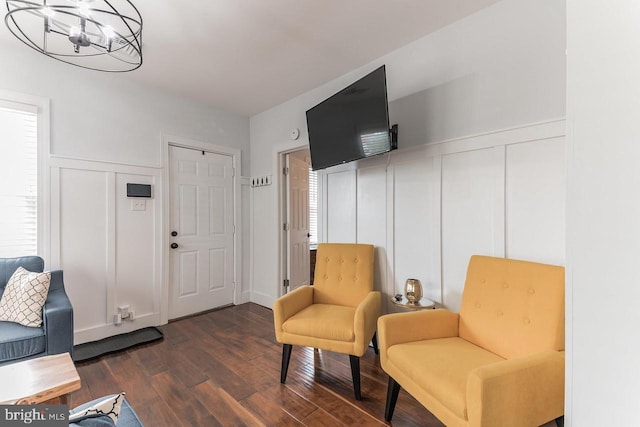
{"type": "Point", "coordinates": [44, 146]}
{"type": "Point", "coordinates": [236, 156]}
{"type": "Point", "coordinates": [111, 215]}
{"type": "Point", "coordinates": [98, 332]}
{"type": "Point", "coordinates": [437, 218]}
{"type": "Point", "coordinates": [389, 285]}
{"type": "Point", "coordinates": [100, 166]}
{"type": "Point", "coordinates": [245, 293]}
{"type": "Point", "coordinates": [55, 244]}
{"type": "Point", "coordinates": [279, 153]}
{"type": "Point", "coordinates": [106, 162]}
{"type": "Point", "coordinates": [499, 202]}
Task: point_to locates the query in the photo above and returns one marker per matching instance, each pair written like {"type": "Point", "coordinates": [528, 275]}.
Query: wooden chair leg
{"type": "Point", "coordinates": [560, 421]}
{"type": "Point", "coordinates": [393, 390]}
{"type": "Point", "coordinates": [374, 341]}
{"type": "Point", "coordinates": [286, 356]}
{"type": "Point", "coordinates": [355, 375]}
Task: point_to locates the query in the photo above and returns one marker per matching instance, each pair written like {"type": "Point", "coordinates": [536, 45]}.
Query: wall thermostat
{"type": "Point", "coordinates": [138, 190]}
{"type": "Point", "coordinates": [295, 133]}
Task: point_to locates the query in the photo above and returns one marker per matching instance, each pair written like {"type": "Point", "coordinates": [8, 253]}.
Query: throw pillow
{"type": "Point", "coordinates": [109, 407]}
{"type": "Point", "coordinates": [24, 296]}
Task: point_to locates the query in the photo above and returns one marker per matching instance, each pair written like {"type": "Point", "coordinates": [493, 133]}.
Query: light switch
{"type": "Point", "coordinates": [138, 205]}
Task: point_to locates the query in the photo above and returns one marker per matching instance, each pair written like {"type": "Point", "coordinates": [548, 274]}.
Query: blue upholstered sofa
{"type": "Point", "coordinates": [127, 418]}
{"type": "Point", "coordinates": [55, 336]}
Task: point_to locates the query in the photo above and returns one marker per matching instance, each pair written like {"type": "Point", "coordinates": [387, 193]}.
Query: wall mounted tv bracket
{"type": "Point", "coordinates": [394, 136]}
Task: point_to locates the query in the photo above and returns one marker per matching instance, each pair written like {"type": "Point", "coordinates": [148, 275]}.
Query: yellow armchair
{"type": "Point", "coordinates": [499, 362]}
{"type": "Point", "coordinates": [338, 313]}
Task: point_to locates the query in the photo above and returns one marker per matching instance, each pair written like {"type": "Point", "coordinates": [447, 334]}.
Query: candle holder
{"type": "Point", "coordinates": [413, 291]}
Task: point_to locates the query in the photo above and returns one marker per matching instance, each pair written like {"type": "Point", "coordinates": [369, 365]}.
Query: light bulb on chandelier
{"type": "Point", "coordinates": [103, 35]}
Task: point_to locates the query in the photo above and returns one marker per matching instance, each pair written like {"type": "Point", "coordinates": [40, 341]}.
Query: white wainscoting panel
{"type": "Point", "coordinates": [109, 249]}
{"type": "Point", "coordinates": [340, 207]}
{"type": "Point", "coordinates": [500, 194]}
{"type": "Point", "coordinates": [137, 269]}
{"type": "Point", "coordinates": [468, 209]}
{"type": "Point", "coordinates": [372, 218]}
{"type": "Point", "coordinates": [536, 201]}
{"type": "Point", "coordinates": [416, 230]}
{"type": "Point", "coordinates": [83, 245]}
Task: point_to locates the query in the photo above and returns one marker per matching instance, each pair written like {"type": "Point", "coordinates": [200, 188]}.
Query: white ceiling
{"type": "Point", "coordinates": [246, 56]}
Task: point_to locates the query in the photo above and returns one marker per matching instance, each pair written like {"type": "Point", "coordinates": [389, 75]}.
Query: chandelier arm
{"type": "Point", "coordinates": [135, 36]}
{"type": "Point", "coordinates": [130, 45]}
{"type": "Point", "coordinates": [118, 59]}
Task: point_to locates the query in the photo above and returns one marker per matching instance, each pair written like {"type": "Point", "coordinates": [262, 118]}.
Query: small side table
{"type": "Point", "coordinates": [47, 379]}
{"type": "Point", "coordinates": [424, 303]}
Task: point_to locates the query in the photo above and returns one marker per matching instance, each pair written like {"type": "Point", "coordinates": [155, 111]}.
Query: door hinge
{"type": "Point", "coordinates": [234, 229]}
{"type": "Point", "coordinates": [285, 227]}
{"type": "Point", "coordinates": [285, 284]}
{"type": "Point", "coordinates": [233, 172]}
{"type": "Point", "coordinates": [285, 171]}
{"type": "Point", "coordinates": [234, 285]}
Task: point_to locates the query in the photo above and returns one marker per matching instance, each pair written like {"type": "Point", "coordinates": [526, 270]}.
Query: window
{"type": "Point", "coordinates": [313, 207]}
{"type": "Point", "coordinates": [18, 179]}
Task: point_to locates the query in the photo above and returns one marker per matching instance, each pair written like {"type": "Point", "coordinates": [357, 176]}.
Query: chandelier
{"type": "Point", "coordinates": [102, 35]}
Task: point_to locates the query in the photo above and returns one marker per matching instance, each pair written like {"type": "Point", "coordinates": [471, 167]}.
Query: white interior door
{"type": "Point", "coordinates": [298, 219]}
{"type": "Point", "coordinates": [202, 243]}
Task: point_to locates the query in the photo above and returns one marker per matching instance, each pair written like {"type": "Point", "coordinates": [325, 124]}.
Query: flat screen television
{"type": "Point", "coordinates": [352, 124]}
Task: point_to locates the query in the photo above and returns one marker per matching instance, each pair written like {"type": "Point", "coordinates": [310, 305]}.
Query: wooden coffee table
{"type": "Point", "coordinates": [48, 379]}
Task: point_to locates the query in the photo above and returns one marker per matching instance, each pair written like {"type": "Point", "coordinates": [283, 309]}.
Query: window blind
{"type": "Point", "coordinates": [18, 181]}
{"type": "Point", "coordinates": [313, 207]}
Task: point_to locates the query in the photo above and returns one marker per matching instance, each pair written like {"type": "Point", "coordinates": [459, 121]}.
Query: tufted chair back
{"type": "Point", "coordinates": [344, 273]}
{"type": "Point", "coordinates": [513, 308]}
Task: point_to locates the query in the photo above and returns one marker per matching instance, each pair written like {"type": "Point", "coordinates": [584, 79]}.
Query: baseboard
{"type": "Point", "coordinates": [262, 299]}
{"type": "Point", "coordinates": [103, 331]}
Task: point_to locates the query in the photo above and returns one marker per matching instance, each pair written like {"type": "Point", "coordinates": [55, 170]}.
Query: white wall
{"type": "Point", "coordinates": [105, 132]}
{"type": "Point", "coordinates": [104, 117]}
{"type": "Point", "coordinates": [499, 68]}
{"type": "Point", "coordinates": [603, 226]}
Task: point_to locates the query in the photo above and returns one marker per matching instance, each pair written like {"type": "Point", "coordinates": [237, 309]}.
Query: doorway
{"type": "Point", "coordinates": [202, 230]}
{"type": "Point", "coordinates": [300, 219]}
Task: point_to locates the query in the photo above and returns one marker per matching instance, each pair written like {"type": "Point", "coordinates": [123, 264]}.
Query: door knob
{"type": "Point", "coordinates": [174, 246]}
{"type": "Point", "coordinates": [174, 233]}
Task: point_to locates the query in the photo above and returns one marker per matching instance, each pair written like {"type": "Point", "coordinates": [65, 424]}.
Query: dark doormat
{"type": "Point", "coordinates": [90, 350]}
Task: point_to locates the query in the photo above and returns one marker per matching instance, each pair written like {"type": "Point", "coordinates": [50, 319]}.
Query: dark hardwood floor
{"type": "Point", "coordinates": [222, 368]}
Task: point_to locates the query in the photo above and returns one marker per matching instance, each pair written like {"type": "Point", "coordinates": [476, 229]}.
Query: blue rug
{"type": "Point", "coordinates": [91, 350]}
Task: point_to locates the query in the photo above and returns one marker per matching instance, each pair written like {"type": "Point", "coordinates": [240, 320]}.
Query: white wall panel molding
{"type": "Point", "coordinates": [524, 133]}
{"type": "Point", "coordinates": [115, 165]}
{"type": "Point", "coordinates": [500, 193]}
{"type": "Point", "coordinates": [111, 254]}
{"type": "Point", "coordinates": [499, 221]}
{"type": "Point", "coordinates": [112, 220]}
{"type": "Point", "coordinates": [244, 282]}
{"type": "Point", "coordinates": [94, 165]}
{"type": "Point", "coordinates": [371, 219]}
{"type": "Point", "coordinates": [389, 285]}
{"type": "Point", "coordinates": [341, 207]}
{"type": "Point", "coordinates": [534, 208]}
